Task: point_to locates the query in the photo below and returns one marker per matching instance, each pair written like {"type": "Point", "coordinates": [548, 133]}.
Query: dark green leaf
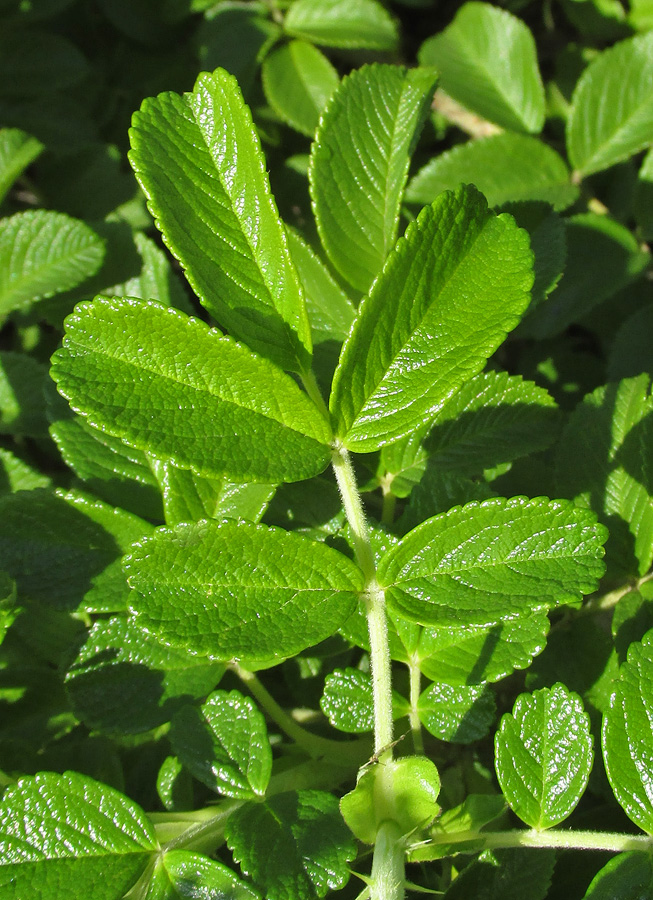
{"type": "Point", "coordinates": [629, 876]}
{"type": "Point", "coordinates": [17, 151]}
{"type": "Point", "coordinates": [518, 874]}
{"type": "Point", "coordinates": [457, 713]}
{"type": "Point", "coordinates": [363, 24]}
{"type": "Point", "coordinates": [22, 404]}
{"type": "Point", "coordinates": [33, 63]}
{"type": "Point", "coordinates": [156, 281]}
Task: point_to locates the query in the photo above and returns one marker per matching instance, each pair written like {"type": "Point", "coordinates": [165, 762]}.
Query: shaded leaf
{"type": "Point", "coordinates": [457, 713]}
{"type": "Point", "coordinates": [183, 875]}
{"type": "Point", "coordinates": [298, 81]}
{"type": "Point", "coordinates": [629, 876]}
{"type": "Point", "coordinates": [517, 874]}
{"type": "Point", "coordinates": [17, 150]}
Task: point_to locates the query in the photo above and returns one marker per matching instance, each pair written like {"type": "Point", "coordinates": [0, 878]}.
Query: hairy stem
{"type": "Point", "coordinates": [413, 717]}
{"type": "Point", "coordinates": [552, 839]}
{"type": "Point", "coordinates": [387, 880]}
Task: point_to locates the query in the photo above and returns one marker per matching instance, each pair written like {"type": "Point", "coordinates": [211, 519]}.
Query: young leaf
{"type": "Point", "coordinates": [200, 164]}
{"type": "Point", "coordinates": [504, 87]}
{"type": "Point", "coordinates": [544, 756]}
{"type": "Point", "coordinates": [629, 876]}
{"type": "Point", "coordinates": [457, 713]}
{"type": "Point", "coordinates": [294, 846]}
{"type": "Point", "coordinates": [234, 589]}
{"type": "Point", "coordinates": [298, 81]}
{"type": "Point", "coordinates": [43, 253]}
{"type": "Point", "coordinates": [17, 151]}
{"type": "Point", "coordinates": [612, 107]}
{"type": "Point", "coordinates": [183, 875]}
{"type": "Point", "coordinates": [68, 836]}
{"type": "Point", "coordinates": [504, 167]}
{"type": "Point", "coordinates": [626, 737]}
{"type": "Point", "coordinates": [414, 343]}
{"type": "Point", "coordinates": [487, 562]}
{"type": "Point", "coordinates": [124, 682]}
{"type": "Point", "coordinates": [360, 24]}
{"type": "Point", "coordinates": [358, 167]}
{"type": "Point", "coordinates": [168, 384]}
{"type": "Point", "coordinates": [348, 701]}
{"type": "Point", "coordinates": [225, 745]}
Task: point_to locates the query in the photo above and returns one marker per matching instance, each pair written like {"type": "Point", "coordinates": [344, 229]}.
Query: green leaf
{"type": "Point", "coordinates": [17, 475]}
{"type": "Point", "coordinates": [43, 253]}
{"type": "Point", "coordinates": [413, 338]}
{"type": "Point", "coordinates": [70, 836]}
{"type": "Point", "coordinates": [504, 167]}
{"type": "Point", "coordinates": [612, 107]}
{"type": "Point", "coordinates": [360, 24]}
{"type": "Point", "coordinates": [22, 405]}
{"type": "Point", "coordinates": [156, 281]}
{"type": "Point", "coordinates": [17, 150]}
{"type": "Point", "coordinates": [543, 753]}
{"type": "Point", "coordinates": [460, 656]}
{"type": "Point", "coordinates": [643, 200]}
{"type": "Point", "coordinates": [629, 876]}
{"type": "Point", "coordinates": [182, 875]}
{"type": "Point", "coordinates": [487, 562]}
{"type": "Point", "coordinates": [298, 81]}
{"type": "Point", "coordinates": [168, 384]}
{"type": "Point", "coordinates": [174, 785]}
{"type": "Point", "coordinates": [348, 701]}
{"type": "Point", "coordinates": [64, 549]}
{"type": "Point", "coordinates": [225, 745]}
{"type": "Point", "coordinates": [627, 742]}
{"type": "Point", "coordinates": [8, 606]}
{"type": "Point", "coordinates": [602, 258]}
{"type": "Point", "coordinates": [457, 713]}
{"type": "Point", "coordinates": [476, 811]}
{"type": "Point", "coordinates": [35, 63]}
{"type": "Point", "coordinates": [400, 790]}
{"type": "Point", "coordinates": [294, 846]}
{"type": "Point", "coordinates": [517, 874]}
{"type": "Point", "coordinates": [199, 161]}
{"type": "Point", "coordinates": [234, 589]}
{"type": "Point", "coordinates": [599, 463]}
{"type": "Point", "coordinates": [123, 681]}
{"type": "Point", "coordinates": [504, 87]}
{"type": "Point", "coordinates": [359, 164]}
{"type": "Point", "coordinates": [630, 353]}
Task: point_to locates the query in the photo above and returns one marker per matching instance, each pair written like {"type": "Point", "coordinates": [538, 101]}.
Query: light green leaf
{"type": "Point", "coordinates": [360, 24]}
{"type": "Point", "coordinates": [414, 342]}
{"type": "Point", "coordinates": [294, 846]}
{"type": "Point", "coordinates": [629, 876]}
{"type": "Point", "coordinates": [348, 701]}
{"type": "Point", "coordinates": [504, 87]}
{"type": "Point", "coordinates": [183, 875]}
{"type": "Point", "coordinates": [174, 785]}
{"type": "Point", "coordinates": [123, 681]}
{"type": "Point", "coordinates": [400, 790]}
{"type": "Point", "coordinates": [17, 475]}
{"type": "Point", "coordinates": [599, 463]}
{"type": "Point", "coordinates": [543, 753]}
{"type": "Point", "coordinates": [359, 164]}
{"type": "Point", "coordinates": [626, 737]}
{"type": "Point", "coordinates": [17, 151]}
{"type": "Point", "coordinates": [22, 404]}
{"type": "Point", "coordinates": [298, 81]}
{"type": "Point", "coordinates": [225, 745]}
{"type": "Point", "coordinates": [641, 14]}
{"type": "Point", "coordinates": [504, 167]}
{"type": "Point", "coordinates": [643, 200]}
{"type": "Point", "coordinates": [475, 655]}
{"type": "Point", "coordinates": [169, 385]}
{"type": "Point", "coordinates": [69, 836]}
{"type": "Point", "coordinates": [64, 548]}
{"type": "Point", "coordinates": [156, 281]}
{"type": "Point", "coordinates": [612, 107]}
{"type": "Point", "coordinates": [487, 562]}
{"type": "Point", "coordinates": [238, 590]}
{"type": "Point", "coordinates": [457, 713]}
{"type": "Point", "coordinates": [199, 161]}
{"type": "Point", "coordinates": [43, 253]}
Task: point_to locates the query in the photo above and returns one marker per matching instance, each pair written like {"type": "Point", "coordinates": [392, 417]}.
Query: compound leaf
{"type": "Point", "coordinates": [543, 754]}
{"type": "Point", "coordinates": [234, 589]}
{"type": "Point", "coordinates": [363, 24]}
{"type": "Point", "coordinates": [69, 836]}
{"type": "Point", "coordinates": [225, 745]}
{"type": "Point", "coordinates": [487, 562]}
{"type": "Point", "coordinates": [611, 114]}
{"type": "Point", "coordinates": [504, 87]}
{"type": "Point", "coordinates": [627, 741]}
{"type": "Point", "coordinates": [298, 80]}
{"type": "Point", "coordinates": [43, 253]}
{"type": "Point", "coordinates": [183, 875]}
{"type": "Point", "coordinates": [168, 384]}
{"type": "Point", "coordinates": [505, 167]}
{"type": "Point", "coordinates": [415, 341]}
{"type": "Point", "coordinates": [199, 161]}
{"type": "Point", "coordinates": [294, 846]}
{"type": "Point", "coordinates": [359, 164]}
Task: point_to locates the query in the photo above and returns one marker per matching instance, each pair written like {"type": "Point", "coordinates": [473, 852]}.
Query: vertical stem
{"type": "Point", "coordinates": [387, 881]}
{"type": "Point", "coordinates": [413, 717]}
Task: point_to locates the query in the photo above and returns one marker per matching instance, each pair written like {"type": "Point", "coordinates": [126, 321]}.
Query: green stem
{"type": "Point", "coordinates": [313, 390]}
{"type": "Point", "coordinates": [347, 753]}
{"type": "Point", "coordinates": [387, 879]}
{"type": "Point", "coordinates": [552, 839]}
{"type": "Point", "coordinates": [389, 506]}
{"type": "Point", "coordinates": [413, 716]}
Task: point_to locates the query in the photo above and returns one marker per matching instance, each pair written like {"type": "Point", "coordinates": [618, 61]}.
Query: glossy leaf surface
{"type": "Point", "coordinates": [348, 701]}
{"type": "Point", "coordinates": [298, 81]}
{"type": "Point", "coordinates": [233, 589]}
{"type": "Point", "coordinates": [357, 175]}
{"type": "Point", "coordinates": [364, 24]}
{"type": "Point", "coordinates": [168, 384]}
{"type": "Point", "coordinates": [200, 164]}
{"type": "Point", "coordinates": [483, 563]}
{"type": "Point", "coordinates": [543, 754]}
{"type": "Point", "coordinates": [183, 875]}
{"type": "Point", "coordinates": [456, 713]}
{"type": "Point", "coordinates": [430, 320]}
